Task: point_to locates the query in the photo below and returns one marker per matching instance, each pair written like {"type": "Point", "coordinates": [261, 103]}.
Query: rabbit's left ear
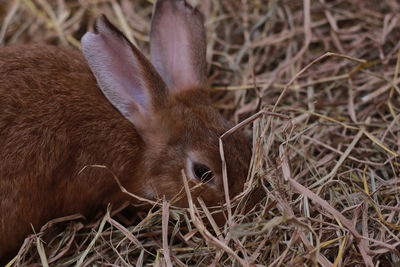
{"type": "Point", "coordinates": [125, 76]}
{"type": "Point", "coordinates": [178, 45]}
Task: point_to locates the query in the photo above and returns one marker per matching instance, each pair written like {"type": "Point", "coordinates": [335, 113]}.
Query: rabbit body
{"type": "Point", "coordinates": [54, 121]}
{"type": "Point", "coordinates": [64, 115]}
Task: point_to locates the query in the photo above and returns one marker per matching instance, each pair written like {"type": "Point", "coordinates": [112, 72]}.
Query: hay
{"type": "Point", "coordinates": [322, 77]}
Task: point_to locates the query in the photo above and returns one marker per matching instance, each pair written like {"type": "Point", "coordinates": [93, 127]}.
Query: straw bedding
{"type": "Point", "coordinates": [319, 82]}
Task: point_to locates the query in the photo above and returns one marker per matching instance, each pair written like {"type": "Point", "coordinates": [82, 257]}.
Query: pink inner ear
{"type": "Point", "coordinates": [175, 57]}
{"type": "Point", "coordinates": [178, 48]}
{"type": "Point", "coordinates": [117, 71]}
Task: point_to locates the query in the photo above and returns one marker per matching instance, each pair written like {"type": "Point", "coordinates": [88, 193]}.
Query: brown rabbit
{"type": "Point", "coordinates": [144, 121]}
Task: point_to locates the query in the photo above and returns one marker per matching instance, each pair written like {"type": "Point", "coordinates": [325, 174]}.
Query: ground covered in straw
{"type": "Point", "coordinates": [321, 80]}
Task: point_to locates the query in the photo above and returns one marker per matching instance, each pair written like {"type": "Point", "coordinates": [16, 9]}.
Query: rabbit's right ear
{"type": "Point", "coordinates": [178, 45]}
{"type": "Point", "coordinates": [126, 77]}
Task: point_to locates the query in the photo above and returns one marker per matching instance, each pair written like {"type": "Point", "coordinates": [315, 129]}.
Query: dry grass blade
{"type": "Point", "coordinates": [165, 218]}
{"type": "Point", "coordinates": [92, 242]}
{"type": "Point", "coordinates": [42, 253]}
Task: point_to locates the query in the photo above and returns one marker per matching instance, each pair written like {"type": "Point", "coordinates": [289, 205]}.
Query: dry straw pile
{"type": "Point", "coordinates": [322, 78]}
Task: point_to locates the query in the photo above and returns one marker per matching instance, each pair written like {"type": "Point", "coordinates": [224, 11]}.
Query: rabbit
{"type": "Point", "coordinates": [62, 112]}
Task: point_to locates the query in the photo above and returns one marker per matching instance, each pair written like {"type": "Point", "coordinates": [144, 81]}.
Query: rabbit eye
{"type": "Point", "coordinates": [202, 172]}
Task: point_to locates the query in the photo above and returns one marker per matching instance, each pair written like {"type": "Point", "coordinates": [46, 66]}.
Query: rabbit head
{"type": "Point", "coordinates": [167, 102]}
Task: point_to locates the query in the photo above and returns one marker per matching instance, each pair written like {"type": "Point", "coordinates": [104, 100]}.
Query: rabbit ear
{"type": "Point", "coordinates": [178, 44]}
{"type": "Point", "coordinates": [125, 76]}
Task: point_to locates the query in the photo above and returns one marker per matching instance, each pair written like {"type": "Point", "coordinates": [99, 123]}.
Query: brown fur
{"type": "Point", "coordinates": [55, 121]}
